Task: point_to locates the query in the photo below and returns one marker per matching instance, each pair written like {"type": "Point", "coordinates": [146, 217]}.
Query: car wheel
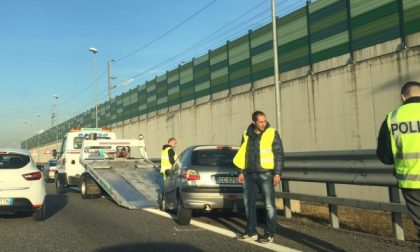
{"type": "Point", "coordinates": [59, 186]}
{"type": "Point", "coordinates": [39, 215]}
{"type": "Point", "coordinates": [183, 215]}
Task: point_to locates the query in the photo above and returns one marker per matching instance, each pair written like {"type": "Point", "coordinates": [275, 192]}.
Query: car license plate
{"type": "Point", "coordinates": [226, 180]}
{"type": "Point", "coordinates": [6, 202]}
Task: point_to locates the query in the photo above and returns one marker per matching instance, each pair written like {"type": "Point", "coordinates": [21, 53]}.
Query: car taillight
{"type": "Point", "coordinates": [32, 176]}
{"type": "Point", "coordinates": [191, 174]}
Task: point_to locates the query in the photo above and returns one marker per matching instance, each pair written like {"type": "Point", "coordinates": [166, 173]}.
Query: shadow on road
{"type": "Point", "coordinates": [237, 224]}
{"type": "Point", "coordinates": [150, 247]}
{"type": "Point", "coordinates": [55, 202]}
{"type": "Point", "coordinates": [306, 240]}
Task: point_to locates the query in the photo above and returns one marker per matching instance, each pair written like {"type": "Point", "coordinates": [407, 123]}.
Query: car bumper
{"type": "Point", "coordinates": [20, 205]}
{"type": "Point", "coordinates": [30, 198]}
{"type": "Point", "coordinates": [215, 198]}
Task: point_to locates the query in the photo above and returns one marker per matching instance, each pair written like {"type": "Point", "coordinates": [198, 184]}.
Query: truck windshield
{"type": "Point", "coordinates": [77, 141]}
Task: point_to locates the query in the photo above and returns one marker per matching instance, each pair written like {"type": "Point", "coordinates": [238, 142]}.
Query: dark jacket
{"type": "Point", "coordinates": [252, 158]}
{"type": "Point", "coordinates": [171, 153]}
{"type": "Point", "coordinates": [384, 149]}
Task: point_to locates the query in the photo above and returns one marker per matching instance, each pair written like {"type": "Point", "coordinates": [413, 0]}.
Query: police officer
{"type": "Point", "coordinates": [261, 159]}
{"type": "Point", "coordinates": [399, 144]}
{"type": "Point", "coordinates": [168, 156]}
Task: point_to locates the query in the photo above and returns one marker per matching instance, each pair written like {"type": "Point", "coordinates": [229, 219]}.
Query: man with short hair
{"type": "Point", "coordinates": [261, 160]}
{"type": "Point", "coordinates": [399, 144]}
{"type": "Point", "coordinates": [168, 156]}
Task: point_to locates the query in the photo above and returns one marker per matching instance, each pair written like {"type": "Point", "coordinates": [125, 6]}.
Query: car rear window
{"type": "Point", "coordinates": [214, 157]}
{"type": "Point", "coordinates": [13, 161]}
{"type": "Point", "coordinates": [52, 162]}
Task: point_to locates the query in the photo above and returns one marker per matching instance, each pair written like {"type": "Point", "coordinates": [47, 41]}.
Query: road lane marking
{"type": "Point", "coordinates": [223, 231]}
{"type": "Point", "coordinates": [188, 229]}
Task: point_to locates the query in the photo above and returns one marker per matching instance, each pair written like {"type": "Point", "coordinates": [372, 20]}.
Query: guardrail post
{"type": "Point", "coordinates": [332, 209]}
{"type": "Point", "coordinates": [286, 201]}
{"type": "Point", "coordinates": [397, 221]}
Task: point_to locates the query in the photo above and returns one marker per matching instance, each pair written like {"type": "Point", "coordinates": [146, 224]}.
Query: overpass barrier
{"type": "Point", "coordinates": [355, 167]}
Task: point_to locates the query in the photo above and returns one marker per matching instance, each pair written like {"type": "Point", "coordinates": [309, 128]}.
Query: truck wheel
{"type": "Point", "coordinates": [183, 215]}
{"type": "Point", "coordinates": [59, 186]}
{"type": "Point", "coordinates": [162, 202]}
{"type": "Point", "coordinates": [87, 185]}
{"type": "Point", "coordinates": [83, 188]}
{"type": "Point", "coordinates": [39, 215]}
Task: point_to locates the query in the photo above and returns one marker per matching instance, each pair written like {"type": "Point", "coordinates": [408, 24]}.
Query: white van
{"type": "Point", "coordinates": [69, 169]}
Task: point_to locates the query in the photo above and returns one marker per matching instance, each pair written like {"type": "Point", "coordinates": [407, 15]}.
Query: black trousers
{"type": "Point", "coordinates": [412, 200]}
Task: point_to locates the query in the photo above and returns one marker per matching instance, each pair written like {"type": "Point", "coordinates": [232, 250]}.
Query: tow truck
{"type": "Point", "coordinates": [121, 169]}
{"type": "Point", "coordinates": [69, 169]}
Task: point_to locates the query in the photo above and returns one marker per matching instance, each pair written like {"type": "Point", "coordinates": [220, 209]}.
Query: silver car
{"type": "Point", "coordinates": [202, 178]}
{"type": "Point", "coordinates": [49, 170]}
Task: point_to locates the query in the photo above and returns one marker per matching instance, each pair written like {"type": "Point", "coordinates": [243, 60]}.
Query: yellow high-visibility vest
{"type": "Point", "coordinates": [164, 160]}
{"type": "Point", "coordinates": [266, 151]}
{"type": "Point", "coordinates": [404, 127]}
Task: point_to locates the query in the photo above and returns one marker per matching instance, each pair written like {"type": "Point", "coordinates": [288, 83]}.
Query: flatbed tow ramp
{"type": "Point", "coordinates": [121, 169]}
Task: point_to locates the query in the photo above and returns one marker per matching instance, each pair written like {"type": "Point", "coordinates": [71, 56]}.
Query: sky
{"type": "Point", "coordinates": [46, 65]}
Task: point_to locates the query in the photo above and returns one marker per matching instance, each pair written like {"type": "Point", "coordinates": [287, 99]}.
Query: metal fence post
{"type": "Point", "coordinates": [286, 201]}
{"type": "Point", "coordinates": [308, 23]}
{"type": "Point", "coordinates": [401, 24]}
{"type": "Point", "coordinates": [349, 29]}
{"type": "Point", "coordinates": [332, 209]}
{"type": "Point", "coordinates": [397, 221]}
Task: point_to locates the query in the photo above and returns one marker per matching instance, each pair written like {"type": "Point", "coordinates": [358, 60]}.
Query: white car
{"type": "Point", "coordinates": [22, 188]}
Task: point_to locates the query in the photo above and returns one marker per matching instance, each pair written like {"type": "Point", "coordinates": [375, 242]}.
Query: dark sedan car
{"type": "Point", "coordinates": [203, 178]}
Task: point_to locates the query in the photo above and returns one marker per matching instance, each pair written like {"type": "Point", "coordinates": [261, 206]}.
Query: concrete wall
{"type": "Point", "coordinates": [337, 109]}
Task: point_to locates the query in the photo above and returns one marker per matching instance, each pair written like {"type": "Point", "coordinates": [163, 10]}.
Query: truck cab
{"type": "Point", "coordinates": [69, 169]}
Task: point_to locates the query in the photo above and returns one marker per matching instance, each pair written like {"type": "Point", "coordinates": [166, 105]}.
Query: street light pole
{"type": "Point", "coordinates": [37, 136]}
{"type": "Point", "coordinates": [54, 113]}
{"type": "Point", "coordinates": [276, 63]}
{"type": "Point", "coordinates": [95, 51]}
{"type": "Point", "coordinates": [110, 79]}
{"type": "Point", "coordinates": [26, 138]}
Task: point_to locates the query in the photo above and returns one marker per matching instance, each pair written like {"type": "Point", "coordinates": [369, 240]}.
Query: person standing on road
{"type": "Point", "coordinates": [261, 160]}
{"type": "Point", "coordinates": [168, 156]}
{"type": "Point", "coordinates": [399, 144]}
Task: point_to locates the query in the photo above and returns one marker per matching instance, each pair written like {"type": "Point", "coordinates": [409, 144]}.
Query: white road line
{"type": "Point", "coordinates": [188, 229]}
{"type": "Point", "coordinates": [225, 232]}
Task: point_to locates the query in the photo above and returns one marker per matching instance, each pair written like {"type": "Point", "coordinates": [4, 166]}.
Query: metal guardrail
{"type": "Point", "coordinates": [356, 167]}
{"type": "Point", "coordinates": [359, 167]}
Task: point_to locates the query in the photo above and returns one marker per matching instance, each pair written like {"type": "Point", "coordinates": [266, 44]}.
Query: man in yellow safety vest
{"type": "Point", "coordinates": [399, 144]}
{"type": "Point", "coordinates": [261, 160]}
{"type": "Point", "coordinates": [168, 156]}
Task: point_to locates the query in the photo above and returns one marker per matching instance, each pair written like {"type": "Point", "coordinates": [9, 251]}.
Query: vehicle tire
{"type": "Point", "coordinates": [83, 188]}
{"type": "Point", "coordinates": [86, 184]}
{"type": "Point", "coordinates": [162, 202]}
{"type": "Point", "coordinates": [183, 215]}
{"type": "Point", "coordinates": [59, 185]}
{"type": "Point", "coordinates": [39, 215]}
